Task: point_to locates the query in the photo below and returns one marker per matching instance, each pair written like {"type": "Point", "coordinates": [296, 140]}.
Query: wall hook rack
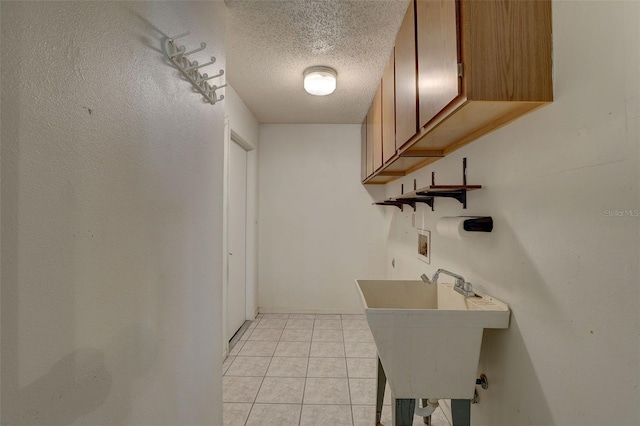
{"type": "Point", "coordinates": [178, 56]}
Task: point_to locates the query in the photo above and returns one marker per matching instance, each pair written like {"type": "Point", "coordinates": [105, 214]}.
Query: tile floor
{"type": "Point", "coordinates": [303, 370]}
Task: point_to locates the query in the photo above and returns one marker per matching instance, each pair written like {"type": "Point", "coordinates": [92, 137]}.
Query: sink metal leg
{"type": "Point", "coordinates": [461, 412]}
{"type": "Point", "coordinates": [426, 420]}
{"type": "Point", "coordinates": [382, 382]}
{"type": "Point", "coordinates": [403, 410]}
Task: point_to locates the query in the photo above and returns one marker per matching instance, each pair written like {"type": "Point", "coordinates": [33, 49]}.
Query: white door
{"type": "Point", "coordinates": [237, 231]}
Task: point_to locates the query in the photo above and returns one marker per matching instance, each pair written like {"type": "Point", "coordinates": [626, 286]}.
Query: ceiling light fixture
{"type": "Point", "coordinates": [320, 81]}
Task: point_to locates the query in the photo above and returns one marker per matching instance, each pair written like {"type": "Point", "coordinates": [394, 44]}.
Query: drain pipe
{"type": "Point", "coordinates": [432, 404]}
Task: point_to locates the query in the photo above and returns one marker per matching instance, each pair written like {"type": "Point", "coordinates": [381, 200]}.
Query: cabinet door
{"type": "Point", "coordinates": [388, 111]}
{"type": "Point", "coordinates": [374, 131]}
{"type": "Point", "coordinates": [363, 151]}
{"type": "Point", "coordinates": [406, 91]}
{"type": "Point", "coordinates": [437, 46]}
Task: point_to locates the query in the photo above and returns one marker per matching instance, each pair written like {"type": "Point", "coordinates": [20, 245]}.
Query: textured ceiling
{"type": "Point", "coordinates": [271, 43]}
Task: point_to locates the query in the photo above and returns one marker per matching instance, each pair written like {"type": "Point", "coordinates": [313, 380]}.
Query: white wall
{"type": "Point", "coordinates": [318, 230]}
{"type": "Point", "coordinates": [245, 128]}
{"type": "Point", "coordinates": [111, 216]}
{"type": "Point", "coordinates": [568, 270]}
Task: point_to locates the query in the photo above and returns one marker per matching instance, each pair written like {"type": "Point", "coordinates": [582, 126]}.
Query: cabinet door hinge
{"type": "Point", "coordinates": [460, 69]}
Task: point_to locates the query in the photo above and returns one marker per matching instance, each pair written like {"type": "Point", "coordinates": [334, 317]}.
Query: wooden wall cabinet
{"type": "Point", "coordinates": [437, 51]}
{"type": "Point", "coordinates": [406, 74]}
{"type": "Point", "coordinates": [388, 111]}
{"type": "Point", "coordinates": [374, 133]}
{"type": "Point", "coordinates": [366, 170]}
{"type": "Point", "coordinates": [480, 65]}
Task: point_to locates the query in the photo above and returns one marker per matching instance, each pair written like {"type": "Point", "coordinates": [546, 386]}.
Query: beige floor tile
{"type": "Point", "coordinates": [254, 366]}
{"type": "Point", "coordinates": [360, 350]}
{"type": "Point", "coordinates": [235, 350]}
{"type": "Point", "coordinates": [387, 395]}
{"type": "Point", "coordinates": [438, 418]}
{"type": "Point", "coordinates": [355, 324]}
{"type": "Point", "coordinates": [240, 389]}
{"type": "Point", "coordinates": [296, 335]}
{"type": "Point", "coordinates": [302, 316]}
{"type": "Point", "coordinates": [288, 367]}
{"type": "Point", "coordinates": [266, 334]}
{"type": "Point", "coordinates": [326, 391]}
{"type": "Point", "coordinates": [235, 414]}
{"type": "Point", "coordinates": [328, 316]}
{"type": "Point", "coordinates": [327, 367]}
{"type": "Point", "coordinates": [363, 391]}
{"type": "Point", "coordinates": [227, 363]}
{"type": "Point", "coordinates": [296, 349]}
{"type": "Point", "coordinates": [279, 316]}
{"type": "Point", "coordinates": [362, 368]}
{"type": "Point", "coordinates": [320, 335]}
{"type": "Point", "coordinates": [328, 324]}
{"type": "Point", "coordinates": [353, 316]}
{"type": "Point", "coordinates": [246, 334]}
{"type": "Point", "coordinates": [258, 348]}
{"type": "Point", "coordinates": [274, 414]}
{"type": "Point", "coordinates": [357, 335]}
{"type": "Point", "coordinates": [364, 415]}
{"type": "Point", "coordinates": [324, 415]}
{"type": "Point", "coordinates": [281, 390]}
{"type": "Point", "coordinates": [327, 349]}
{"type": "Point", "coordinates": [272, 323]}
{"type": "Point", "coordinates": [298, 324]}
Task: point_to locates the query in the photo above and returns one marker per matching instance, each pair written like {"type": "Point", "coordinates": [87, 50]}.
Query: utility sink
{"type": "Point", "coordinates": [428, 336]}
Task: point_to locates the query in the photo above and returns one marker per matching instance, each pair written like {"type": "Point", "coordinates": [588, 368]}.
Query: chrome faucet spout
{"type": "Point", "coordinates": [459, 278]}
{"type": "Point", "coordinates": [460, 285]}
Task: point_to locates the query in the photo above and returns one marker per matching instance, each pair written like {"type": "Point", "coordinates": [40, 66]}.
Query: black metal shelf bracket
{"type": "Point", "coordinates": [456, 194]}
{"type": "Point", "coordinates": [399, 203]}
{"type": "Point", "coordinates": [428, 195]}
{"type": "Point", "coordinates": [428, 200]}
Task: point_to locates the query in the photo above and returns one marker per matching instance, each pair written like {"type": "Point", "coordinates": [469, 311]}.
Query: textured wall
{"type": "Point", "coordinates": [111, 216]}
{"type": "Point", "coordinates": [318, 230]}
{"type": "Point", "coordinates": [559, 255]}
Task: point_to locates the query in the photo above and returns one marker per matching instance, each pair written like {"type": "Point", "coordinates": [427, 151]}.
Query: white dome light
{"type": "Point", "coordinates": [320, 81]}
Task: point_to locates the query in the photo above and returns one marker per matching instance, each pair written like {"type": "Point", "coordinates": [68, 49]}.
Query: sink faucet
{"type": "Point", "coordinates": [460, 285]}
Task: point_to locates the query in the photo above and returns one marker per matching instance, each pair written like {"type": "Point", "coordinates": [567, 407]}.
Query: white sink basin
{"type": "Point", "coordinates": [428, 336]}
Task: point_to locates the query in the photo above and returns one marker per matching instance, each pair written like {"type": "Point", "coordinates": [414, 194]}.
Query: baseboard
{"type": "Point", "coordinates": [326, 311]}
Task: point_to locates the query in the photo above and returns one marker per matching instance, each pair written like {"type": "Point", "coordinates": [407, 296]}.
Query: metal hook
{"type": "Point", "coordinates": [206, 77]}
{"type": "Point", "coordinates": [212, 89]}
{"type": "Point", "coordinates": [203, 45]}
{"type": "Point", "coordinates": [178, 36]}
{"type": "Point", "coordinates": [194, 66]}
{"type": "Point", "coordinates": [179, 52]}
{"type": "Point", "coordinates": [178, 56]}
{"type": "Point", "coordinates": [213, 99]}
{"type": "Point", "coordinates": [213, 60]}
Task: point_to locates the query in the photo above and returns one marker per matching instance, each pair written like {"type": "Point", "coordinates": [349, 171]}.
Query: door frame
{"type": "Point", "coordinates": [233, 135]}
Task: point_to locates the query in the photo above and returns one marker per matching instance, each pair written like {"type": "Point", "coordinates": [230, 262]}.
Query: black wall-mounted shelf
{"type": "Point", "coordinates": [429, 193]}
